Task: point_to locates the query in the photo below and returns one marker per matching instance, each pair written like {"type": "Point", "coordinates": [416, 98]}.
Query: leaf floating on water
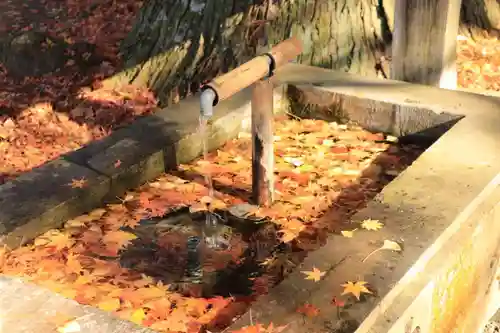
{"type": "Point", "coordinates": [370, 224]}
{"type": "Point", "coordinates": [388, 245]}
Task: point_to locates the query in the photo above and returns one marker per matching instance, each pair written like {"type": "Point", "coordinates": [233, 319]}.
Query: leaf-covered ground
{"type": "Point", "coordinates": [324, 173]}
{"type": "Point", "coordinates": [44, 117]}
{"type": "Point", "coordinates": [478, 63]}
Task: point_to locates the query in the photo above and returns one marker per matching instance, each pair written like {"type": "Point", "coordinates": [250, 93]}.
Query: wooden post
{"type": "Point", "coordinates": [262, 143]}
{"type": "Point", "coordinates": [423, 49]}
{"type": "Point", "coordinates": [424, 42]}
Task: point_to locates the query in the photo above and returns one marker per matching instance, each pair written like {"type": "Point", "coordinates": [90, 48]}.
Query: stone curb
{"type": "Point", "coordinates": [27, 308]}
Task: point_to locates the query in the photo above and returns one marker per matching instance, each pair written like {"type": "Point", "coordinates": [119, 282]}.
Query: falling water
{"type": "Point", "coordinates": [204, 138]}
{"type": "Point", "coordinates": [210, 230]}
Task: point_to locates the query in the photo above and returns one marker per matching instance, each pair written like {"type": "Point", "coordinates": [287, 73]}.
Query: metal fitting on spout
{"type": "Point", "coordinates": [208, 100]}
{"type": "Point", "coordinates": [272, 65]}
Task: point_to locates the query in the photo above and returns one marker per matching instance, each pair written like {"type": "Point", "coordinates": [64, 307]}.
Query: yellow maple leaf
{"type": "Point", "coordinates": [355, 288]}
{"type": "Point", "coordinates": [314, 275]}
{"type": "Point", "coordinates": [370, 224]}
{"type": "Point", "coordinates": [348, 233]}
{"type": "Point", "coordinates": [110, 305]}
{"type": "Point", "coordinates": [138, 316]}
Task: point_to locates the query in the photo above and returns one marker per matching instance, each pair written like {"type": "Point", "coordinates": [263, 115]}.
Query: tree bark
{"type": "Point", "coordinates": [176, 45]}
{"type": "Point", "coordinates": [478, 16]}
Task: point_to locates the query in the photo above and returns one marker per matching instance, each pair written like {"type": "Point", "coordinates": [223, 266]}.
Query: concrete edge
{"type": "Point", "coordinates": [25, 307]}
{"type": "Point", "coordinates": [473, 237]}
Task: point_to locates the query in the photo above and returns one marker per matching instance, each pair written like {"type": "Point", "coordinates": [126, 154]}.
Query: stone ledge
{"type": "Point", "coordinates": [383, 98]}
{"type": "Point", "coordinates": [43, 199]}
{"type": "Point", "coordinates": [28, 308]}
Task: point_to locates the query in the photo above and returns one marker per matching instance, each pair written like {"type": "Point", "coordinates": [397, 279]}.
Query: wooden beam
{"type": "Point", "coordinates": [262, 141]}
{"type": "Point", "coordinates": [424, 42]}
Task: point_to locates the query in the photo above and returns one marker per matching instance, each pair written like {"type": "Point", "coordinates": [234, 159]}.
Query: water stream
{"type": "Point", "coordinates": [211, 233]}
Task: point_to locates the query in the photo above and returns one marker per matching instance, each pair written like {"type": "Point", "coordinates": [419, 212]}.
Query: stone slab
{"type": "Point", "coordinates": [416, 209]}
{"type": "Point", "coordinates": [26, 308]}
{"type": "Point", "coordinates": [43, 199]}
{"type": "Point", "coordinates": [382, 97]}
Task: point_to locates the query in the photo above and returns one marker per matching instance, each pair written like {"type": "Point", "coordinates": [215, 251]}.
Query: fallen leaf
{"type": "Point", "coordinates": [71, 327]}
{"type": "Point", "coordinates": [259, 328]}
{"type": "Point", "coordinates": [78, 183]}
{"type": "Point", "coordinates": [314, 275]}
{"type": "Point", "coordinates": [356, 288]}
{"type": "Point", "coordinates": [110, 305]}
{"type": "Point", "coordinates": [138, 316]}
{"type": "Point", "coordinates": [308, 310]}
{"type": "Point", "coordinates": [391, 139]}
{"type": "Point", "coordinates": [337, 302]}
{"type": "Point", "coordinates": [388, 245]}
{"type": "Point", "coordinates": [348, 233]}
{"type": "Point", "coordinates": [370, 224]}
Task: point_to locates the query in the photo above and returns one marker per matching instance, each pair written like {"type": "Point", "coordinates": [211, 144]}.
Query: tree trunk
{"type": "Point", "coordinates": [480, 15]}
{"type": "Point", "coordinates": [175, 45]}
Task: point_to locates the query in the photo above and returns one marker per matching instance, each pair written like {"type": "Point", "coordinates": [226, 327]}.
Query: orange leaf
{"type": "Point", "coordinates": [308, 310]}
{"type": "Point", "coordinates": [337, 302]}
{"type": "Point", "coordinates": [78, 183]}
{"type": "Point", "coordinates": [119, 237]}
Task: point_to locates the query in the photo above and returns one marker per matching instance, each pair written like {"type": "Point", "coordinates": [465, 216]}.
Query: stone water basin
{"type": "Point", "coordinates": [215, 252]}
